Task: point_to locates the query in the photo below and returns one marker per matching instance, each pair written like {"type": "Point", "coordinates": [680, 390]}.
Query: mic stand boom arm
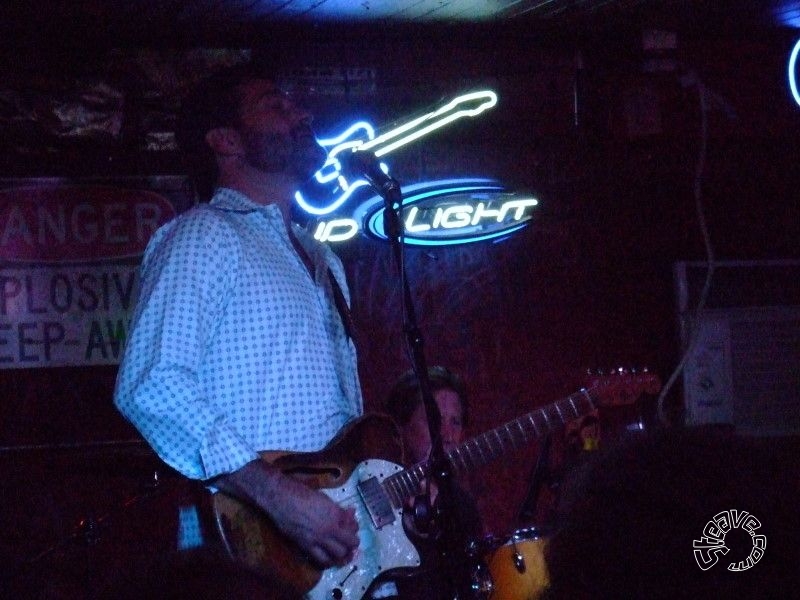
{"type": "Point", "coordinates": [452, 543]}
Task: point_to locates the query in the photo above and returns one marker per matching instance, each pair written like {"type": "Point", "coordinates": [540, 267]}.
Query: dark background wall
{"type": "Point", "coordinates": [608, 148]}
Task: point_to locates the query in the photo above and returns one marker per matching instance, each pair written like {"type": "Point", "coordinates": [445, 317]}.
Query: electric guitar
{"type": "Point", "coordinates": [361, 136]}
{"type": "Point", "coordinates": [360, 468]}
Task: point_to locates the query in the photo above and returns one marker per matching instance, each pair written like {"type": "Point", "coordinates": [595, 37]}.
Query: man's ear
{"type": "Point", "coordinates": [224, 141]}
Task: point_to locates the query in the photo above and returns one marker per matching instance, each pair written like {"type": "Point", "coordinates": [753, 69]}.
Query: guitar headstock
{"type": "Point", "coordinates": [621, 386]}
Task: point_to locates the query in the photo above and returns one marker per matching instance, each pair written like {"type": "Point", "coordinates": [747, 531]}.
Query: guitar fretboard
{"type": "Point", "coordinates": [488, 446]}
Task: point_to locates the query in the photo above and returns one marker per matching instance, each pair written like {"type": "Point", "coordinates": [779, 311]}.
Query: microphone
{"type": "Point", "coordinates": [365, 165]}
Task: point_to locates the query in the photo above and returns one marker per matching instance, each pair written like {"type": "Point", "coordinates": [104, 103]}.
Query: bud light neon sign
{"type": "Point", "coordinates": [447, 212]}
{"type": "Point", "coordinates": [452, 211]}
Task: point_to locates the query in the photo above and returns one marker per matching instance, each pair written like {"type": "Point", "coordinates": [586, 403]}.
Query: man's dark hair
{"type": "Point", "coordinates": [406, 395]}
{"type": "Point", "coordinates": [214, 102]}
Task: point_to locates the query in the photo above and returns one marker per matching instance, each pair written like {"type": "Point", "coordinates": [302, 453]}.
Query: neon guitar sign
{"type": "Point", "coordinates": [362, 136]}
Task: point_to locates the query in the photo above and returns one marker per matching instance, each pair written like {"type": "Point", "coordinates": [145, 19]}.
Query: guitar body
{"type": "Point", "coordinates": [361, 468]}
{"type": "Point", "coordinates": [369, 448]}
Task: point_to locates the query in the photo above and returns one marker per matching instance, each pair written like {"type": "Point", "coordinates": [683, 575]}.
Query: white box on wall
{"type": "Point", "coordinates": [743, 367]}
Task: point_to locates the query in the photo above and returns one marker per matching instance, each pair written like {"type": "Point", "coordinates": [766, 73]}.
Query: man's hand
{"type": "Point", "coordinates": [327, 532]}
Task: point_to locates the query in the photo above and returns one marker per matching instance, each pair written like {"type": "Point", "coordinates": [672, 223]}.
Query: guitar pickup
{"type": "Point", "coordinates": [376, 501]}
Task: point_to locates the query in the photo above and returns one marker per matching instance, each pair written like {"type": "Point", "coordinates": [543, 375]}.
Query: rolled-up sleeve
{"type": "Point", "coordinates": [188, 271]}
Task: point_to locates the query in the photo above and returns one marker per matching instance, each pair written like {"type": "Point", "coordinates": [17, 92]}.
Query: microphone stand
{"type": "Point", "coordinates": [451, 542]}
{"type": "Point", "coordinates": [540, 473]}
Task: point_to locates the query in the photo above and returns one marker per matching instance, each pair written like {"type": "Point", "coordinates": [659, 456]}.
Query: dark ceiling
{"type": "Point", "coordinates": [59, 61]}
{"type": "Point", "coordinates": [180, 22]}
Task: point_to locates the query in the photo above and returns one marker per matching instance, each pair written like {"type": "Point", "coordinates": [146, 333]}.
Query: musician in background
{"type": "Point", "coordinates": [240, 340]}
{"type": "Point", "coordinates": [421, 517]}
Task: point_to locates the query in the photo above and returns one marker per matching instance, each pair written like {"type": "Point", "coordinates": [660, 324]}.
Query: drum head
{"type": "Point", "coordinates": [517, 566]}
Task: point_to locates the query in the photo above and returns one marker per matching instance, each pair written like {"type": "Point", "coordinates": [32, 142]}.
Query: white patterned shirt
{"type": "Point", "coordinates": [233, 348]}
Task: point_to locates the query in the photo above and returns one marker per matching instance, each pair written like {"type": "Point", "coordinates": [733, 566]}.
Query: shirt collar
{"type": "Point", "coordinates": [231, 200]}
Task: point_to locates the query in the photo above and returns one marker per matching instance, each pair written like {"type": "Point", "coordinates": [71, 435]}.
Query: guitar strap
{"type": "Point", "coordinates": [338, 294]}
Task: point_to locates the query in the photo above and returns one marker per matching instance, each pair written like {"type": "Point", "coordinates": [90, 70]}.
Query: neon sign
{"type": "Point", "coordinates": [336, 230]}
{"type": "Point", "coordinates": [793, 72]}
{"type": "Point", "coordinates": [455, 211]}
{"type": "Point", "coordinates": [337, 189]}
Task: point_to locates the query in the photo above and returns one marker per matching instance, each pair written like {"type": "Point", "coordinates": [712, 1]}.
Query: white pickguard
{"type": "Point", "coordinates": [379, 549]}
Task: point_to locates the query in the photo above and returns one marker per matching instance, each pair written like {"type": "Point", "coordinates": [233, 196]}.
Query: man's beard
{"type": "Point", "coordinates": [299, 154]}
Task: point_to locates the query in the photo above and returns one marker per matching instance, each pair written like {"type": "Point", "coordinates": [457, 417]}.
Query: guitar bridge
{"type": "Point", "coordinates": [376, 501]}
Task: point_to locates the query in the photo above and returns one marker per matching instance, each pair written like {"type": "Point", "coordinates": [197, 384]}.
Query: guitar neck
{"type": "Point", "coordinates": [466, 105]}
{"type": "Point", "coordinates": [488, 446]}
